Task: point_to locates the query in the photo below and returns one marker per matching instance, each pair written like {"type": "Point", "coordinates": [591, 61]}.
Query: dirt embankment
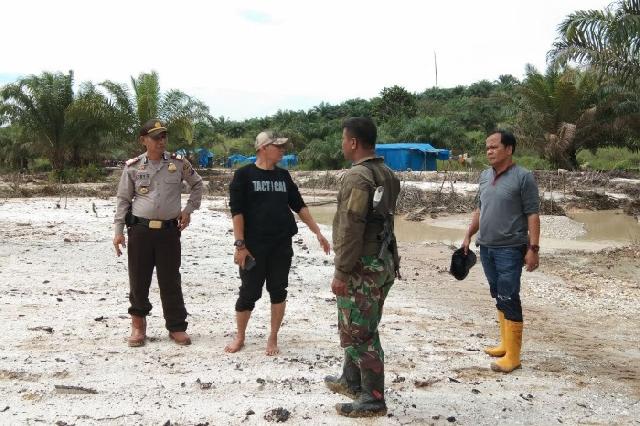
{"type": "Point", "coordinates": [423, 194]}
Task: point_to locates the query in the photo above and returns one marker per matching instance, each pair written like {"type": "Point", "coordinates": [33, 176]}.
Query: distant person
{"type": "Point", "coordinates": [366, 264]}
{"type": "Point", "coordinates": [149, 205]}
{"type": "Point", "coordinates": [509, 223]}
{"type": "Point", "coordinates": [262, 196]}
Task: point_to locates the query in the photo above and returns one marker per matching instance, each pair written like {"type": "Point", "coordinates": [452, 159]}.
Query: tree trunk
{"type": "Point", "coordinates": [57, 159]}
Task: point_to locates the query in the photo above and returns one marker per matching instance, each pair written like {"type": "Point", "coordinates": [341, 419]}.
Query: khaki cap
{"type": "Point", "coordinates": [269, 138]}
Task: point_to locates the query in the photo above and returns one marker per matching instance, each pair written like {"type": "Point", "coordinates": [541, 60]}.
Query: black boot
{"type": "Point", "coordinates": [370, 402]}
{"type": "Point", "coordinates": [349, 382]}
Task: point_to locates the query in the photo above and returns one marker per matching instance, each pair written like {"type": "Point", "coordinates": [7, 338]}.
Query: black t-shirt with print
{"type": "Point", "coordinates": [265, 198]}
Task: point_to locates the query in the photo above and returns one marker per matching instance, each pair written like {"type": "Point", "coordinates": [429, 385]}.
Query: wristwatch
{"type": "Point", "coordinates": [238, 243]}
{"type": "Point", "coordinates": [534, 248]}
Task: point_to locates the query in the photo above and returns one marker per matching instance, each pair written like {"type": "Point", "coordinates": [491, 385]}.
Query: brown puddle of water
{"type": "Point", "coordinates": [406, 231]}
{"type": "Point", "coordinates": [604, 225]}
{"type": "Point", "coordinates": [607, 225]}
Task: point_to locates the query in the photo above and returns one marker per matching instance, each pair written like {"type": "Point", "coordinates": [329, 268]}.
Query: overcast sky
{"type": "Point", "coordinates": [251, 58]}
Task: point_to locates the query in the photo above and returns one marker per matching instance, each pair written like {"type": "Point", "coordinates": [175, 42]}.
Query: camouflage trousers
{"type": "Point", "coordinates": [359, 312]}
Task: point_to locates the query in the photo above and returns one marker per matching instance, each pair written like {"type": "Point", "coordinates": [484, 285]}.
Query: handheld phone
{"type": "Point", "coordinates": [249, 263]}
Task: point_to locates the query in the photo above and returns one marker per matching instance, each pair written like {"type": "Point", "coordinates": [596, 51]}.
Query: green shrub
{"type": "Point", "coordinates": [610, 158]}
{"type": "Point", "coordinates": [532, 162]}
{"type": "Point", "coordinates": [40, 165]}
{"type": "Point", "coordinates": [90, 173]}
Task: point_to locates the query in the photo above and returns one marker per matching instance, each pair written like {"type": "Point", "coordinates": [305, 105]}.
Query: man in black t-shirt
{"type": "Point", "coordinates": [262, 197]}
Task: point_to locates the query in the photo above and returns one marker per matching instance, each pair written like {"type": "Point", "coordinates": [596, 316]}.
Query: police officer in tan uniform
{"type": "Point", "coordinates": [366, 264]}
{"type": "Point", "coordinates": [149, 204]}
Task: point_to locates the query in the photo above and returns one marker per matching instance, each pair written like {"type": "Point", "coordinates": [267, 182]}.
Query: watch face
{"type": "Point", "coordinates": [239, 243]}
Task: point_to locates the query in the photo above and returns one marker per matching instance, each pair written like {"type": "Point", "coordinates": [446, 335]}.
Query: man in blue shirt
{"type": "Point", "coordinates": [509, 224]}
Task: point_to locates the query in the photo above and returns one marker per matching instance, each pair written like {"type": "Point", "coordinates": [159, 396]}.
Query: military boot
{"type": "Point", "coordinates": [370, 402]}
{"type": "Point", "coordinates": [348, 383]}
{"type": "Point", "coordinates": [138, 331]}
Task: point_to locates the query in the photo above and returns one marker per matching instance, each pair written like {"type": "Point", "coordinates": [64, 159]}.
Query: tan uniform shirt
{"type": "Point", "coordinates": [153, 190]}
{"type": "Point", "coordinates": [354, 234]}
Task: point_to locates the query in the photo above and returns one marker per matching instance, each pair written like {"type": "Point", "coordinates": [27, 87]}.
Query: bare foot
{"type": "Point", "coordinates": [236, 344]}
{"type": "Point", "coordinates": [272, 346]}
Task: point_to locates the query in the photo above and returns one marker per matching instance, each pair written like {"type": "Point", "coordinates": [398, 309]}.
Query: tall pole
{"type": "Point", "coordinates": [435, 60]}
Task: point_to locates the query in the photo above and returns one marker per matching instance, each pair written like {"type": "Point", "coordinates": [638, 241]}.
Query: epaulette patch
{"type": "Point", "coordinates": [132, 161]}
{"type": "Point", "coordinates": [175, 156]}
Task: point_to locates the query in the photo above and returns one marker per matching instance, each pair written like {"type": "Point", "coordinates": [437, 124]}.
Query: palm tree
{"type": "Point", "coordinates": [16, 150]}
{"type": "Point", "coordinates": [177, 109]}
{"type": "Point", "coordinates": [608, 40]}
{"type": "Point", "coordinates": [552, 111]}
{"type": "Point", "coordinates": [49, 113]}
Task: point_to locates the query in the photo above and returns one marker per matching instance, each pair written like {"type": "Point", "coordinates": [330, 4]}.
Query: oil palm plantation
{"type": "Point", "coordinates": [56, 120]}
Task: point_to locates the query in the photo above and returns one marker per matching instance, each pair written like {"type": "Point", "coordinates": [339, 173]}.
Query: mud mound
{"type": "Point", "coordinates": [418, 203]}
{"type": "Point", "coordinates": [594, 200]}
{"type": "Point", "coordinates": [632, 208]}
{"type": "Point", "coordinates": [551, 207]}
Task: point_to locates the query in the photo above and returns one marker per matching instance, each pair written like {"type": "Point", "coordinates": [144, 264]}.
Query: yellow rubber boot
{"type": "Point", "coordinates": [513, 343]}
{"type": "Point", "coordinates": [499, 350]}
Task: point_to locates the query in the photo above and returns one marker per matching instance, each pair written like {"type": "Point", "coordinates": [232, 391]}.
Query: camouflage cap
{"type": "Point", "coordinates": [152, 127]}
{"type": "Point", "coordinates": [269, 138]}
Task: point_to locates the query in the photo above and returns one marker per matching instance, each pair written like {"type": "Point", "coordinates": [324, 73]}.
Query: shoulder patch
{"type": "Point", "coordinates": [175, 156]}
{"type": "Point", "coordinates": [132, 161]}
{"type": "Point", "coordinates": [358, 202]}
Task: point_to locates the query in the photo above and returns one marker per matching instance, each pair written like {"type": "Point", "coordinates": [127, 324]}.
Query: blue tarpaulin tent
{"type": "Point", "coordinates": [411, 155]}
{"type": "Point", "coordinates": [237, 160]}
{"type": "Point", "coordinates": [203, 156]}
{"type": "Point", "coordinates": [288, 161]}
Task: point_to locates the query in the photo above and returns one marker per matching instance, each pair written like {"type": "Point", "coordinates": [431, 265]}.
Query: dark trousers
{"type": "Point", "coordinates": [503, 269]}
{"type": "Point", "coordinates": [159, 248]}
{"type": "Point", "coordinates": [273, 262]}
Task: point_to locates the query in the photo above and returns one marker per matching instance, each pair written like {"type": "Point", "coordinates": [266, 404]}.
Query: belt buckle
{"type": "Point", "coordinates": [155, 224]}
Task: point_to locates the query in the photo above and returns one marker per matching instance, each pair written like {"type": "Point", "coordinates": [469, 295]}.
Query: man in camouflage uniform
{"type": "Point", "coordinates": [366, 263]}
{"type": "Point", "coordinates": [149, 204]}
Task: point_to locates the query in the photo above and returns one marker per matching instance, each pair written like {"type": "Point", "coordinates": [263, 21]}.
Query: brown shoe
{"type": "Point", "coordinates": [180, 337]}
{"type": "Point", "coordinates": [138, 331]}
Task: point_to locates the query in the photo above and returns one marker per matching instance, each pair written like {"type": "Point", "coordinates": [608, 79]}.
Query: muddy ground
{"type": "Point", "coordinates": [64, 360]}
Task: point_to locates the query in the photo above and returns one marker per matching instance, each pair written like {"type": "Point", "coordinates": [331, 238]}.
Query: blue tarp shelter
{"type": "Point", "coordinates": [236, 160]}
{"type": "Point", "coordinates": [203, 157]}
{"type": "Point", "coordinates": [289, 160]}
{"type": "Point", "coordinates": [411, 155]}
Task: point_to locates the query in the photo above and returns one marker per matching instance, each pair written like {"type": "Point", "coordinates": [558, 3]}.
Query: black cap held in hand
{"type": "Point", "coordinates": [461, 263]}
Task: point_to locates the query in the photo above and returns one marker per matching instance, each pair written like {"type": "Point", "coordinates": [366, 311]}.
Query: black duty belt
{"type": "Point", "coordinates": [155, 224]}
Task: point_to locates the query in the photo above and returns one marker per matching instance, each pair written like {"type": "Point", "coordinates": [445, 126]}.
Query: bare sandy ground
{"type": "Point", "coordinates": [64, 360]}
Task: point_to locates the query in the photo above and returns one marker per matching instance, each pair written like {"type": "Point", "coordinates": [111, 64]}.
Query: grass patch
{"type": "Point", "coordinates": [609, 158]}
